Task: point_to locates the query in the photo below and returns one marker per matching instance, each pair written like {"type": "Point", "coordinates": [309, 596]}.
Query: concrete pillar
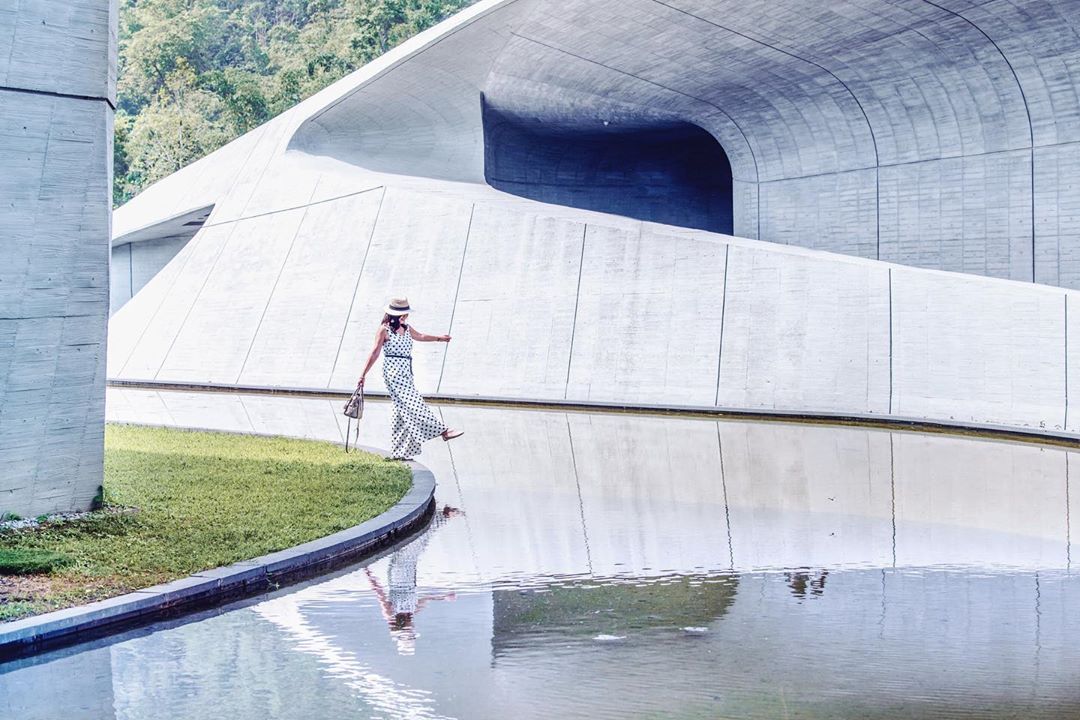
{"type": "Point", "coordinates": [57, 97]}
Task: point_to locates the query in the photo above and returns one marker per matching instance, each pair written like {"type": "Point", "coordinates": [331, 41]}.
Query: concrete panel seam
{"type": "Point", "coordinates": [194, 301]}
{"type": "Point", "coordinates": [890, 344]}
{"type": "Point", "coordinates": [457, 292]}
{"type": "Point", "coordinates": [1065, 423]}
{"type": "Point", "coordinates": [577, 302]}
{"type": "Point", "coordinates": [920, 161]}
{"type": "Point", "coordinates": [247, 415]}
{"type": "Point", "coordinates": [346, 196]}
{"type": "Point", "coordinates": [153, 317]}
{"type": "Point", "coordinates": [65, 96]}
{"type": "Point", "coordinates": [1027, 111]}
{"type": "Point", "coordinates": [131, 272]}
{"type": "Point", "coordinates": [356, 286]}
{"type": "Point", "coordinates": [277, 279]}
{"type": "Point", "coordinates": [723, 314]}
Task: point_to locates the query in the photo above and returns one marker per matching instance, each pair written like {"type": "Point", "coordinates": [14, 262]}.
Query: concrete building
{"type": "Point", "coordinates": [548, 182]}
{"type": "Point", "coordinates": [57, 91]}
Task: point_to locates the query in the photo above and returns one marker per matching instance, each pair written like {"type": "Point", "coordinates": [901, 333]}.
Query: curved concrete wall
{"type": "Point", "coordinates": [939, 135]}
{"type": "Point", "coordinates": [57, 89]}
{"type": "Point", "coordinates": [915, 132]}
{"type": "Point", "coordinates": [551, 303]}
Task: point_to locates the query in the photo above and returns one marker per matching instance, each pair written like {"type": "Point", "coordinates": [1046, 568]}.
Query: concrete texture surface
{"type": "Point", "coordinates": [57, 84]}
{"type": "Point", "coordinates": [561, 304]}
{"type": "Point", "coordinates": [925, 134]}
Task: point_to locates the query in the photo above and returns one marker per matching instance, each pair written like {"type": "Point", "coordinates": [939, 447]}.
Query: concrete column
{"type": "Point", "coordinates": [57, 97]}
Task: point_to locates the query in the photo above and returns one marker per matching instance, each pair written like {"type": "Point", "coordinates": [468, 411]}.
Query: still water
{"type": "Point", "coordinates": [626, 566]}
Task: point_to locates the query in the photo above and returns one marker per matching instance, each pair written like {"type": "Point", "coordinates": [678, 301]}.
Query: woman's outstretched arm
{"type": "Point", "coordinates": [380, 338]}
{"type": "Point", "coordinates": [421, 337]}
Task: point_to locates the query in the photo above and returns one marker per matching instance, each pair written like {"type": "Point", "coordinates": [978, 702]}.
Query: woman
{"type": "Point", "coordinates": [414, 422]}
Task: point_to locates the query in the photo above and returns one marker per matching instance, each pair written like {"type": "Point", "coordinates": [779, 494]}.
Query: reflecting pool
{"type": "Point", "coordinates": [604, 565]}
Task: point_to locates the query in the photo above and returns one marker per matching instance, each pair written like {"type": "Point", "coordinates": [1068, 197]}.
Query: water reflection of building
{"type": "Point", "coordinates": [555, 612]}
{"type": "Point", "coordinates": [622, 494]}
{"type": "Point", "coordinates": [895, 540]}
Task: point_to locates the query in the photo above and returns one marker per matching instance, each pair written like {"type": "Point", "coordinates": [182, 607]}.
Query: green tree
{"type": "Point", "coordinates": [194, 74]}
{"type": "Point", "coordinates": [181, 125]}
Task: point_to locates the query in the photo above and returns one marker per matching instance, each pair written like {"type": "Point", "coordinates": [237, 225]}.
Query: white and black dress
{"type": "Point", "coordinates": [414, 422]}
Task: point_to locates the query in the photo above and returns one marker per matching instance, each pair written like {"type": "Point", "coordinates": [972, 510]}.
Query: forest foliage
{"type": "Point", "coordinates": [194, 74]}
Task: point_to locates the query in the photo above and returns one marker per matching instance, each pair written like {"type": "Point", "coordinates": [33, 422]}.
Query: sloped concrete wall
{"type": "Point", "coordinates": [936, 135]}
{"type": "Point", "coordinates": [57, 84]}
{"type": "Point", "coordinates": [551, 303]}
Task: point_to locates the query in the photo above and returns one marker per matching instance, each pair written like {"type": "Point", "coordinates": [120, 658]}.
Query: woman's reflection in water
{"type": "Point", "coordinates": [402, 601]}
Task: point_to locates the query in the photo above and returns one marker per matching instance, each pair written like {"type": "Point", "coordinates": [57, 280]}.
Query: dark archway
{"type": "Point", "coordinates": [672, 173]}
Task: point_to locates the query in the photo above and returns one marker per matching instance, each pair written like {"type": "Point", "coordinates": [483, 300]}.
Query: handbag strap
{"type": "Point", "coordinates": [348, 421]}
{"type": "Point", "coordinates": [348, 427]}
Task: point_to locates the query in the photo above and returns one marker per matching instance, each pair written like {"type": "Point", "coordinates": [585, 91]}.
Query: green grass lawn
{"type": "Point", "coordinates": [178, 502]}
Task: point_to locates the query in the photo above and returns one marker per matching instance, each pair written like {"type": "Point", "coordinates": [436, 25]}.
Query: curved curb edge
{"type": "Point", "coordinates": [21, 638]}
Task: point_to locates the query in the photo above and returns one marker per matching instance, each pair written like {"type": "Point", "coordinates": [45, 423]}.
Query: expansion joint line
{"type": "Point", "coordinates": [189, 249]}
{"type": "Point", "coordinates": [723, 316]}
{"type": "Point", "coordinates": [1027, 111]}
{"type": "Point", "coordinates": [195, 300]}
{"type": "Point", "coordinates": [577, 302]}
{"type": "Point", "coordinates": [890, 343]}
{"type": "Point", "coordinates": [277, 279]}
{"type": "Point", "coordinates": [356, 286]}
{"type": "Point", "coordinates": [457, 292]}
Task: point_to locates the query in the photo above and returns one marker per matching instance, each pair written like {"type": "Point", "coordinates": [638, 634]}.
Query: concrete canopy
{"type": "Point", "coordinates": [939, 135]}
{"type": "Point", "coordinates": [930, 134]}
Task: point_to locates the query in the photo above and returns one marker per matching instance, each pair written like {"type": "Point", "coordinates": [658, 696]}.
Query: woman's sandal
{"type": "Point", "coordinates": [451, 434]}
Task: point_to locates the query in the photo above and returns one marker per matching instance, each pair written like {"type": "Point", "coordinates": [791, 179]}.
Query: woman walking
{"type": "Point", "coordinates": [414, 422]}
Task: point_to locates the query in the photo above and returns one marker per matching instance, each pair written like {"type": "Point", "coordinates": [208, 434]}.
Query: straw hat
{"type": "Point", "coordinates": [398, 307]}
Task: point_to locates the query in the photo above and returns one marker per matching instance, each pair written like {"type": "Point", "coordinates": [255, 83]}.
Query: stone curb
{"type": "Point", "coordinates": [32, 635]}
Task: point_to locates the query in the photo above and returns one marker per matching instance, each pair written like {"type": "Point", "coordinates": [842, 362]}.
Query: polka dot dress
{"type": "Point", "coordinates": [414, 422]}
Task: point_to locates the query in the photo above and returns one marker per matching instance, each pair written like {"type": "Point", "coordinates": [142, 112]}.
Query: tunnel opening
{"type": "Point", "coordinates": [674, 173]}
